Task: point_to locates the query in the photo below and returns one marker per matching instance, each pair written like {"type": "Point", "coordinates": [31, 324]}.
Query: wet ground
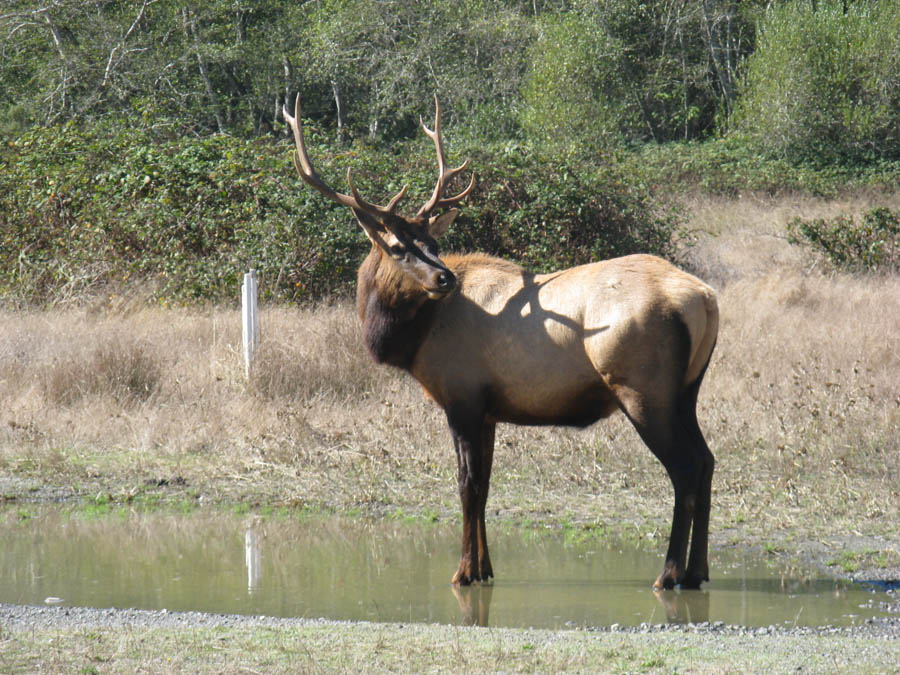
{"type": "Point", "coordinates": [390, 571]}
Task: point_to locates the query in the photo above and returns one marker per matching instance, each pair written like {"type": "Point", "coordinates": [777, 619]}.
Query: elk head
{"type": "Point", "coordinates": [407, 244]}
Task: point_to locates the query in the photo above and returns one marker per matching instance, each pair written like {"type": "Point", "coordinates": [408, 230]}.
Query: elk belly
{"type": "Point", "coordinates": [575, 404]}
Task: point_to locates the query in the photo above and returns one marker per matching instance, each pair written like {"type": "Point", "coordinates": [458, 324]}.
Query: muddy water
{"type": "Point", "coordinates": [340, 569]}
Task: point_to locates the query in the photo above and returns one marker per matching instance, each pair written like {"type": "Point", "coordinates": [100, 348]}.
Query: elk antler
{"type": "Point", "coordinates": [372, 217]}
{"type": "Point", "coordinates": [362, 208]}
{"type": "Point", "coordinates": [445, 175]}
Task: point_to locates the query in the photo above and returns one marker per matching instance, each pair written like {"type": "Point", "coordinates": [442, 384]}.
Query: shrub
{"type": "Point", "coordinates": [871, 245]}
{"type": "Point", "coordinates": [86, 207]}
{"type": "Point", "coordinates": [733, 165]}
{"type": "Point", "coordinates": [822, 85]}
{"type": "Point", "coordinates": [93, 207]}
{"type": "Point", "coordinates": [553, 212]}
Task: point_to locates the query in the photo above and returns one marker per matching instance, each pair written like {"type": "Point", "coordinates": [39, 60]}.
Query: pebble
{"type": "Point", "coordinates": [13, 617]}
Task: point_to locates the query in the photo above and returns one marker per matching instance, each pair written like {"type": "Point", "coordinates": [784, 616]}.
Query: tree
{"type": "Point", "coordinates": [575, 94]}
{"type": "Point", "coordinates": [822, 86]}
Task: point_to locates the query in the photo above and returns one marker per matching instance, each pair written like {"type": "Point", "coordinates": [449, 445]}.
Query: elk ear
{"type": "Point", "coordinates": [438, 225]}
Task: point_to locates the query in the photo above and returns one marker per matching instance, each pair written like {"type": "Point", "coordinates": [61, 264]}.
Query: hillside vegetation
{"type": "Point", "coordinates": [143, 149]}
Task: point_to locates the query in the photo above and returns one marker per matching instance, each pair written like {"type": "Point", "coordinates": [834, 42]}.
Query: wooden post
{"type": "Point", "coordinates": [250, 316]}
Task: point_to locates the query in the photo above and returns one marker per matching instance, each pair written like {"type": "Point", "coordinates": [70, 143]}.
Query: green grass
{"type": "Point", "coordinates": [850, 562]}
{"type": "Point", "coordinates": [369, 647]}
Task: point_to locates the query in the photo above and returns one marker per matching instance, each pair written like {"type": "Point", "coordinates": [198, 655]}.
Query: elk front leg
{"type": "Point", "coordinates": [474, 460]}
{"type": "Point", "coordinates": [487, 460]}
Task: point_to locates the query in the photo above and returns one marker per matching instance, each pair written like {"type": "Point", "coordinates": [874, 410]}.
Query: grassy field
{"type": "Point", "coordinates": [319, 647]}
{"type": "Point", "coordinates": [800, 406]}
{"type": "Point", "coordinates": [111, 399]}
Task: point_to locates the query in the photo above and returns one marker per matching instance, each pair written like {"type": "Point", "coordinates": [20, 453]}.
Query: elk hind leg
{"type": "Point", "coordinates": [698, 564]}
{"type": "Point", "coordinates": [487, 459]}
{"type": "Point", "coordinates": [662, 430]}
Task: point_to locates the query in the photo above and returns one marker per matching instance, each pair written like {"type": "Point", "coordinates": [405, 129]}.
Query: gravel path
{"type": "Point", "coordinates": [26, 617]}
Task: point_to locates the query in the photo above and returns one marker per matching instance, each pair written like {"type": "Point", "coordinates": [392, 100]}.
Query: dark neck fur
{"type": "Point", "coordinates": [394, 326]}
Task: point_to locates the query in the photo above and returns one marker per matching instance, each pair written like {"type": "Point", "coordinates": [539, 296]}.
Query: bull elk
{"type": "Point", "coordinates": [491, 342]}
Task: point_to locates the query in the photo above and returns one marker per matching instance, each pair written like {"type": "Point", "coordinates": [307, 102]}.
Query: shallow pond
{"type": "Point", "coordinates": [388, 571]}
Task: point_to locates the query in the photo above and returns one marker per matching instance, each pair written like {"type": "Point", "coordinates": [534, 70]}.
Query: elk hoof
{"type": "Point", "coordinates": [464, 577]}
{"type": "Point", "coordinates": [668, 579]}
{"type": "Point", "coordinates": [470, 572]}
{"type": "Point", "coordinates": [692, 581]}
{"type": "Point", "coordinates": [663, 583]}
{"type": "Point", "coordinates": [461, 579]}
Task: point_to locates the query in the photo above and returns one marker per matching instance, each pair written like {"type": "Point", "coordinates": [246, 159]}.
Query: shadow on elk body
{"type": "Point", "coordinates": [491, 342]}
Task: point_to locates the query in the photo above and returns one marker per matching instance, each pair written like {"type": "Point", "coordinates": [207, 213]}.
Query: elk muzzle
{"type": "Point", "coordinates": [443, 284]}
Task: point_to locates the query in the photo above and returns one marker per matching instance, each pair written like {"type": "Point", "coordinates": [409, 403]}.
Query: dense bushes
{"type": "Point", "coordinates": [82, 208]}
{"type": "Point", "coordinates": [730, 166]}
{"type": "Point", "coordinates": [822, 86]}
{"type": "Point", "coordinates": [870, 245]}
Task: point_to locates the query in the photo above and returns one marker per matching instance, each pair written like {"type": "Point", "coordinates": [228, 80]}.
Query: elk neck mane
{"type": "Point", "coordinates": [395, 316]}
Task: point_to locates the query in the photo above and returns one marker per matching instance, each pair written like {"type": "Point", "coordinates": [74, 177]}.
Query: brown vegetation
{"type": "Point", "coordinates": [800, 406]}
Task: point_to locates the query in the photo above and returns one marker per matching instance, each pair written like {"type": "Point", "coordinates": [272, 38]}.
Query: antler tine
{"type": "Point", "coordinates": [305, 168]}
{"type": "Point", "coordinates": [445, 175]}
{"type": "Point", "coordinates": [375, 208]}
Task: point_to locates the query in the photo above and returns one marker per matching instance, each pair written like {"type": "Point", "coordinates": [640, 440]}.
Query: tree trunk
{"type": "Point", "coordinates": [719, 54]}
{"type": "Point", "coordinates": [339, 103]}
{"type": "Point", "coordinates": [64, 64]}
{"type": "Point", "coordinates": [288, 77]}
{"type": "Point", "coordinates": [190, 24]}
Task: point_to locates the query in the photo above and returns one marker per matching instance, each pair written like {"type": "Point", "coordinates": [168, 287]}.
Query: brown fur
{"type": "Point", "coordinates": [632, 334]}
{"type": "Point", "coordinates": [493, 343]}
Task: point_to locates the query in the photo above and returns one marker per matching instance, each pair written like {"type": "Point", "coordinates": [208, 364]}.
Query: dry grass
{"type": "Point", "coordinates": [800, 406]}
{"type": "Point", "coordinates": [746, 236]}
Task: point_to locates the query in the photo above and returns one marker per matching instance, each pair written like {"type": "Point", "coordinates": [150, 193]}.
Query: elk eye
{"type": "Point", "coordinates": [398, 250]}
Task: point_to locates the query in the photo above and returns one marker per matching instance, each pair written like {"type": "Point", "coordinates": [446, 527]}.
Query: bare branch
{"type": "Point", "coordinates": [119, 46]}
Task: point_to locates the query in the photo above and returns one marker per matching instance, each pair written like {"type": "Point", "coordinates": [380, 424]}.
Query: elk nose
{"type": "Point", "coordinates": [446, 280]}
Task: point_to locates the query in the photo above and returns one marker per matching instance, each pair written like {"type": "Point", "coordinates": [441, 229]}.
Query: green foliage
{"type": "Point", "coordinates": [218, 66]}
{"type": "Point", "coordinates": [549, 212]}
{"type": "Point", "coordinates": [110, 174]}
{"type": "Point", "coordinates": [652, 70]}
{"type": "Point", "coordinates": [822, 86]}
{"type": "Point", "coordinates": [575, 94]}
{"type": "Point", "coordinates": [733, 165]}
{"type": "Point", "coordinates": [871, 245]}
{"type": "Point", "coordinates": [83, 208]}
{"type": "Point", "coordinates": [606, 73]}
{"type": "Point", "coordinates": [387, 60]}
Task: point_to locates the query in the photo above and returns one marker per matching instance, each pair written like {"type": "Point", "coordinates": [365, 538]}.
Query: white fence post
{"type": "Point", "coordinates": [250, 315]}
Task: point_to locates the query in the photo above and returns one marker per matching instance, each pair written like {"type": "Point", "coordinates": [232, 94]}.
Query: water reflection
{"type": "Point", "coordinates": [474, 603]}
{"type": "Point", "coordinates": [386, 571]}
{"type": "Point", "coordinates": [679, 606]}
{"type": "Point", "coordinates": [252, 558]}
{"type": "Point", "coordinates": [684, 606]}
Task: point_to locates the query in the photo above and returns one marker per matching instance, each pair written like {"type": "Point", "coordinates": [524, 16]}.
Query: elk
{"type": "Point", "coordinates": [491, 342]}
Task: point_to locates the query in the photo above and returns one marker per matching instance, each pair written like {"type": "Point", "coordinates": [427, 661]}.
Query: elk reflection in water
{"type": "Point", "coordinates": [346, 570]}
